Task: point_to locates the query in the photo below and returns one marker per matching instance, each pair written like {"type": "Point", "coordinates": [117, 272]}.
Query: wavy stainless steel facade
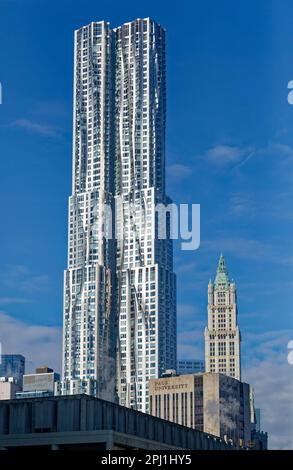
{"type": "Point", "coordinates": [89, 282]}
{"type": "Point", "coordinates": [119, 295]}
{"type": "Point", "coordinates": [146, 282]}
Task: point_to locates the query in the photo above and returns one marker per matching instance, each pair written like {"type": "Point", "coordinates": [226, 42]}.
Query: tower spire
{"type": "Point", "coordinates": [222, 277]}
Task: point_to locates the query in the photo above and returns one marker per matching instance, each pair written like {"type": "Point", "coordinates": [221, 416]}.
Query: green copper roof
{"type": "Point", "coordinates": [222, 278]}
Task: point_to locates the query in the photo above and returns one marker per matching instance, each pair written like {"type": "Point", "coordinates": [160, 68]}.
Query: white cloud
{"type": "Point", "coordinates": [52, 108]}
{"type": "Point", "coordinates": [186, 268]}
{"type": "Point", "coordinates": [249, 249]}
{"type": "Point", "coordinates": [266, 368]}
{"type": "Point", "coordinates": [222, 155]}
{"type": "Point", "coordinates": [35, 284]}
{"type": "Point", "coordinates": [39, 344]}
{"type": "Point", "coordinates": [186, 310]}
{"type": "Point", "coordinates": [256, 205]}
{"type": "Point", "coordinates": [19, 277]}
{"type": "Point", "coordinates": [13, 300]}
{"type": "Point", "coordinates": [266, 344]}
{"type": "Point", "coordinates": [240, 247]}
{"type": "Point", "coordinates": [226, 155]}
{"type": "Point", "coordinates": [272, 380]}
{"type": "Point", "coordinates": [241, 204]}
{"type": "Point", "coordinates": [190, 344]}
{"type": "Point", "coordinates": [277, 148]}
{"type": "Point", "coordinates": [179, 172]}
{"type": "Point", "coordinates": [36, 128]}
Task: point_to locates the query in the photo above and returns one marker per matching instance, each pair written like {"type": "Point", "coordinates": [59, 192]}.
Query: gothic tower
{"type": "Point", "coordinates": [222, 335]}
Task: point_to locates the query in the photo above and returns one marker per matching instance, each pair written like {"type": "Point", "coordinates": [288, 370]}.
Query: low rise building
{"type": "Point", "coordinates": [40, 384]}
{"type": "Point", "coordinates": [82, 422]}
{"type": "Point", "coordinates": [190, 366]}
{"type": "Point", "coordinates": [8, 388]}
{"type": "Point", "coordinates": [259, 440]}
{"type": "Point", "coordinates": [209, 402]}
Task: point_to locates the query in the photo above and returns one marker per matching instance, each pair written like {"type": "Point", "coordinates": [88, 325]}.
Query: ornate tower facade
{"type": "Point", "coordinates": [222, 335]}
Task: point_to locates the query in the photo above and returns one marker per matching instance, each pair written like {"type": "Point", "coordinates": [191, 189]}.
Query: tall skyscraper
{"type": "Point", "coordinates": [146, 282]}
{"type": "Point", "coordinates": [89, 296]}
{"type": "Point", "coordinates": [222, 335]}
{"type": "Point", "coordinates": [120, 292]}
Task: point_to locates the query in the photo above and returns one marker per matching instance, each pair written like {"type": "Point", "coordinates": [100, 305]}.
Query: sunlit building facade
{"type": "Point", "coordinates": [146, 282]}
{"type": "Point", "coordinates": [89, 295]}
{"type": "Point", "coordinates": [222, 335]}
{"type": "Point", "coordinates": [119, 291]}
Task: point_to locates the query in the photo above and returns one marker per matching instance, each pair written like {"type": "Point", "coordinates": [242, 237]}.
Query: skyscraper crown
{"type": "Point", "coordinates": [222, 278]}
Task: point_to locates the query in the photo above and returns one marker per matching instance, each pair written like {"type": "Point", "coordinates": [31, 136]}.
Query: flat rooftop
{"type": "Point", "coordinates": [81, 421]}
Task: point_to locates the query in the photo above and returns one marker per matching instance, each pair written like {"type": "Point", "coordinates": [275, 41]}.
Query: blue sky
{"type": "Point", "coordinates": [229, 148]}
